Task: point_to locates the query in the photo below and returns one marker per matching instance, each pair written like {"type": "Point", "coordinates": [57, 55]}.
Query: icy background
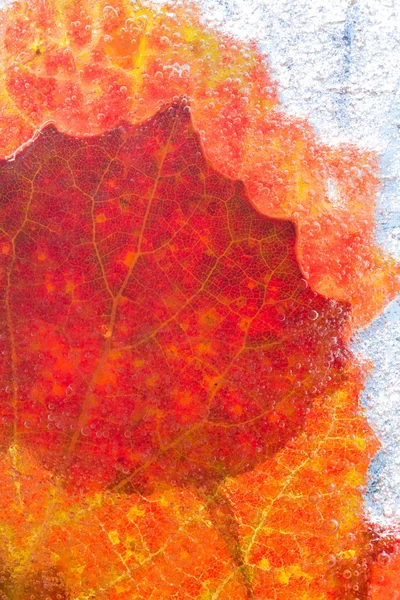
{"type": "Point", "coordinates": [337, 63]}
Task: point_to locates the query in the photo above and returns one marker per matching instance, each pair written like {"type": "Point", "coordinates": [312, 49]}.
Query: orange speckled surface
{"type": "Point", "coordinates": [183, 267]}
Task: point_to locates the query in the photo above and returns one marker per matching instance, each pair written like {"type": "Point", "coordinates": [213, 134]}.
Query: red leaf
{"type": "Point", "coordinates": [157, 327]}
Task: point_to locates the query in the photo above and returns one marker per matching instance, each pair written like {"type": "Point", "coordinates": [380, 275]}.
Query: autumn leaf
{"type": "Point", "coordinates": [299, 518]}
{"type": "Point", "coordinates": [157, 327]}
{"type": "Point", "coordinates": [307, 538]}
{"type": "Point", "coordinates": [104, 545]}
